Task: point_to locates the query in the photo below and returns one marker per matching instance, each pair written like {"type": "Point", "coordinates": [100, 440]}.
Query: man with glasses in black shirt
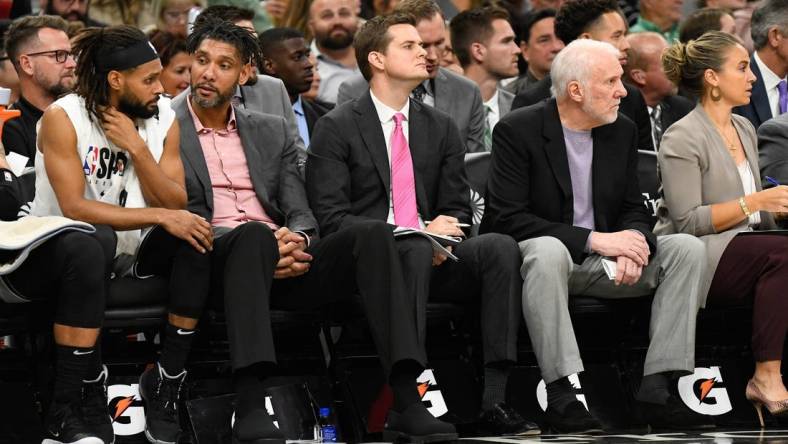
{"type": "Point", "coordinates": [40, 51]}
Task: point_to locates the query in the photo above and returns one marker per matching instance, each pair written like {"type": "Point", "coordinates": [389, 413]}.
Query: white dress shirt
{"type": "Point", "coordinates": [386, 117]}
{"type": "Point", "coordinates": [495, 112]}
{"type": "Point", "coordinates": [770, 81]}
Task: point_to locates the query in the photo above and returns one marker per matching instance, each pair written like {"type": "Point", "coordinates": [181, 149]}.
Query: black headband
{"type": "Point", "coordinates": [121, 59]}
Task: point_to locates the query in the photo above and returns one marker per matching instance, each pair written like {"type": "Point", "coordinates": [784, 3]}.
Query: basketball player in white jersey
{"type": "Point", "coordinates": [108, 155]}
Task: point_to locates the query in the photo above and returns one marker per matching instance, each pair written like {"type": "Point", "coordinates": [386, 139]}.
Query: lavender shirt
{"type": "Point", "coordinates": [580, 153]}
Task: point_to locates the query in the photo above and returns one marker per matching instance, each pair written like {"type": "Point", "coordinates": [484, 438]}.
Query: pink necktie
{"type": "Point", "coordinates": [403, 185]}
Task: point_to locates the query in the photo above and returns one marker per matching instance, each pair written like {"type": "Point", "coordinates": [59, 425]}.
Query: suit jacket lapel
{"type": "Point", "coordinates": [255, 159]}
{"type": "Point", "coordinates": [604, 160]}
{"type": "Point", "coordinates": [372, 134]}
{"type": "Point", "coordinates": [191, 150]}
{"type": "Point", "coordinates": [760, 99]}
{"type": "Point", "coordinates": [555, 149]}
{"type": "Point", "coordinates": [418, 129]}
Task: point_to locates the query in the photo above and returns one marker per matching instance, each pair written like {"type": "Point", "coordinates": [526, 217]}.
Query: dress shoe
{"type": "Point", "coordinates": [256, 427]}
{"type": "Point", "coordinates": [673, 415]}
{"type": "Point", "coordinates": [758, 400]}
{"type": "Point", "coordinates": [502, 420]}
{"type": "Point", "coordinates": [416, 425]}
{"type": "Point", "coordinates": [575, 419]}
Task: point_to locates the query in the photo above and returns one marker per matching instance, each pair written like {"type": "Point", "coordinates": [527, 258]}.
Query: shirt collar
{"type": "Point", "coordinates": [385, 112]}
{"type": "Point", "coordinates": [770, 79]}
{"type": "Point", "coordinates": [298, 106]}
{"type": "Point", "coordinates": [493, 102]}
{"type": "Point", "coordinates": [231, 123]}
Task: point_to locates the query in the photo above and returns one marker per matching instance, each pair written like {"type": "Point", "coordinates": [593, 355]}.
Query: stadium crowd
{"type": "Point", "coordinates": [284, 153]}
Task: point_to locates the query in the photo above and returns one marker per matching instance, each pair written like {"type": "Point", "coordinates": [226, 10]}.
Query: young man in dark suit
{"type": "Point", "coordinates": [241, 176]}
{"type": "Point", "coordinates": [563, 182]}
{"type": "Point", "coordinates": [387, 158]}
{"type": "Point", "coordinates": [600, 20]}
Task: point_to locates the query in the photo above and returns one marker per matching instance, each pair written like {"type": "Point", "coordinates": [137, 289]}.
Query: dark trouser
{"type": "Point", "coordinates": [489, 268]}
{"type": "Point", "coordinates": [755, 267]}
{"type": "Point", "coordinates": [72, 268]}
{"type": "Point", "coordinates": [362, 258]}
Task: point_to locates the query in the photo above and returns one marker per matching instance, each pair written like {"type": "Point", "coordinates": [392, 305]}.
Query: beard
{"type": "Point", "coordinates": [335, 43]}
{"type": "Point", "coordinates": [221, 98]}
{"type": "Point", "coordinates": [72, 16]}
{"type": "Point", "coordinates": [605, 118]}
{"type": "Point", "coordinates": [131, 106]}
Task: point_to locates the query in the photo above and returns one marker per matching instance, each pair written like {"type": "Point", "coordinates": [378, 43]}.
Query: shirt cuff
{"type": "Point", "coordinates": [305, 236]}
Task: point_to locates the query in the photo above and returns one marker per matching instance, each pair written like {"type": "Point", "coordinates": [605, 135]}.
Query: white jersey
{"type": "Point", "coordinates": [109, 172]}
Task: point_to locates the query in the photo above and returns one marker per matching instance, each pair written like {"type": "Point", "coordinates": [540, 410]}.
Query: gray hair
{"type": "Point", "coordinates": [575, 62]}
{"type": "Point", "coordinates": [771, 14]}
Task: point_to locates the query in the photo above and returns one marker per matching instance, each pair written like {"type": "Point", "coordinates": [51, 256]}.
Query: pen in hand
{"type": "Point", "coordinates": [772, 181]}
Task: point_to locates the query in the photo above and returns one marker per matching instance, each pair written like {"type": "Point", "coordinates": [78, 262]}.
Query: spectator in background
{"type": "Point", "coordinates": [297, 16]}
{"type": "Point", "coordinates": [563, 183]}
{"type": "Point", "coordinates": [451, 93]}
{"type": "Point", "coordinates": [644, 71]}
{"type": "Point", "coordinates": [449, 59]}
{"type": "Point", "coordinates": [712, 190]}
{"type": "Point", "coordinates": [333, 23]}
{"type": "Point", "coordinates": [596, 20]}
{"type": "Point", "coordinates": [286, 57]}
{"type": "Point", "coordinates": [660, 16]}
{"type": "Point", "coordinates": [539, 46]}
{"type": "Point", "coordinates": [769, 63]}
{"type": "Point", "coordinates": [705, 20]}
{"type": "Point", "coordinates": [743, 18]}
{"type": "Point", "coordinates": [311, 94]}
{"type": "Point", "coordinates": [40, 50]}
{"type": "Point", "coordinates": [277, 9]}
{"type": "Point", "coordinates": [483, 41]}
{"type": "Point", "coordinates": [71, 10]}
{"type": "Point", "coordinates": [8, 76]}
{"type": "Point", "coordinates": [175, 61]}
{"type": "Point", "coordinates": [730, 5]}
{"type": "Point", "coordinates": [173, 16]}
{"type": "Point", "coordinates": [537, 5]}
{"type": "Point", "coordinates": [138, 13]}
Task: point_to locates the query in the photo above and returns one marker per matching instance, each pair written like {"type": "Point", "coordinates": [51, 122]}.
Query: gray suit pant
{"type": "Point", "coordinates": [550, 276]}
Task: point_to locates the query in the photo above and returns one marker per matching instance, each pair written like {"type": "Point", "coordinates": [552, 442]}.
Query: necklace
{"type": "Point", "coordinates": [731, 146]}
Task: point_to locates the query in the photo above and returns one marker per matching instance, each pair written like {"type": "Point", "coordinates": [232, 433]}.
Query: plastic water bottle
{"type": "Point", "coordinates": [328, 431]}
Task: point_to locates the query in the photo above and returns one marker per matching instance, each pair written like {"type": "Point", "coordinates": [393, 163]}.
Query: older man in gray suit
{"type": "Point", "coordinates": [449, 92]}
{"type": "Point", "coordinates": [773, 150]}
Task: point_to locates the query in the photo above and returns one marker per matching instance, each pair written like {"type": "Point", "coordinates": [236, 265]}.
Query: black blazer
{"type": "Point", "coordinates": [529, 190]}
{"type": "Point", "coordinates": [312, 112]}
{"type": "Point", "coordinates": [632, 106]}
{"type": "Point", "coordinates": [271, 155]}
{"type": "Point", "coordinates": [758, 110]}
{"type": "Point", "coordinates": [348, 178]}
{"type": "Point", "coordinates": [674, 108]}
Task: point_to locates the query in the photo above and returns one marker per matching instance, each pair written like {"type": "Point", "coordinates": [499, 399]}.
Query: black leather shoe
{"type": "Point", "coordinates": [575, 419]}
{"type": "Point", "coordinates": [502, 420]}
{"type": "Point", "coordinates": [673, 415]}
{"type": "Point", "coordinates": [417, 425]}
{"type": "Point", "coordinates": [256, 427]}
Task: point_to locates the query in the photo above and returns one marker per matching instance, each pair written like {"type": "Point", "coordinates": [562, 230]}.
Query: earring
{"type": "Point", "coordinates": [715, 93]}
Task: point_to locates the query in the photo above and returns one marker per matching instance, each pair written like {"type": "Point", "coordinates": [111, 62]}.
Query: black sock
{"type": "Point", "coordinates": [560, 394]}
{"type": "Point", "coordinates": [496, 375]}
{"type": "Point", "coordinates": [96, 365]}
{"type": "Point", "coordinates": [177, 343]}
{"type": "Point", "coordinates": [70, 369]}
{"type": "Point", "coordinates": [403, 384]}
{"type": "Point", "coordinates": [654, 389]}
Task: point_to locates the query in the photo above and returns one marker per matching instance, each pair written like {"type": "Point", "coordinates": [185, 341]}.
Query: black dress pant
{"type": "Point", "coordinates": [362, 259]}
{"type": "Point", "coordinates": [488, 269]}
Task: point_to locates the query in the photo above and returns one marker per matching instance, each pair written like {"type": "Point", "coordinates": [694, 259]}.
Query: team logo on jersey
{"type": "Point", "coordinates": [101, 163]}
{"type": "Point", "coordinates": [91, 160]}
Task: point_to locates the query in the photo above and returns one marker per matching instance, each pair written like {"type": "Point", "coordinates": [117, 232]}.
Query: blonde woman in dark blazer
{"type": "Point", "coordinates": [712, 188]}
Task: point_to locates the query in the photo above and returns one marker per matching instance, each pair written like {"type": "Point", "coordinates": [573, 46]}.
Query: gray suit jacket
{"type": "Point", "coordinates": [271, 156]}
{"type": "Point", "coordinates": [269, 96]}
{"type": "Point", "coordinates": [454, 95]}
{"type": "Point", "coordinates": [773, 149]}
{"type": "Point", "coordinates": [697, 171]}
{"type": "Point", "coordinates": [505, 99]}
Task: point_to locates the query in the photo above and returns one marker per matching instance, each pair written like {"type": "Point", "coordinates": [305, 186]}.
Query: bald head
{"type": "Point", "coordinates": [645, 48]}
{"type": "Point", "coordinates": [644, 69]}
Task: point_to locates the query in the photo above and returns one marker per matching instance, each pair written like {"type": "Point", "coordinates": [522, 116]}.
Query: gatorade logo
{"type": "Point", "coordinates": [541, 392]}
{"type": "Point", "coordinates": [269, 407]}
{"type": "Point", "coordinates": [704, 393]}
{"type": "Point", "coordinates": [431, 396]}
{"type": "Point", "coordinates": [126, 409]}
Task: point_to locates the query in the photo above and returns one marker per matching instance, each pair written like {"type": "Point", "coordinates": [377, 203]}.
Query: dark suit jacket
{"type": "Point", "coordinates": [632, 106]}
{"type": "Point", "coordinates": [758, 110]}
{"type": "Point", "coordinates": [271, 155]}
{"type": "Point", "coordinates": [312, 112]}
{"type": "Point", "coordinates": [529, 190]}
{"type": "Point", "coordinates": [348, 173]}
{"type": "Point", "coordinates": [674, 108]}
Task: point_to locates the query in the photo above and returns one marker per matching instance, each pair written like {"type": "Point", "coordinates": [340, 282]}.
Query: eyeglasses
{"type": "Point", "coordinates": [60, 55]}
